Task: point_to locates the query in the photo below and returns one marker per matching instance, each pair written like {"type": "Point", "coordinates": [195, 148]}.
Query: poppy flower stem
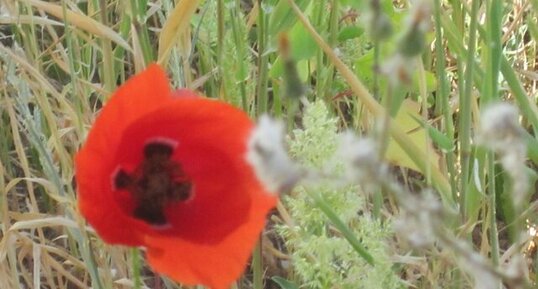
{"type": "Point", "coordinates": [135, 256]}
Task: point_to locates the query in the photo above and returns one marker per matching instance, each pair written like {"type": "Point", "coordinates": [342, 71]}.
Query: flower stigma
{"type": "Point", "coordinates": [156, 182]}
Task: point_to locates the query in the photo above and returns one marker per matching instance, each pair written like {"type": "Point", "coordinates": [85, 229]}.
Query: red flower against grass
{"type": "Point", "coordinates": [167, 171]}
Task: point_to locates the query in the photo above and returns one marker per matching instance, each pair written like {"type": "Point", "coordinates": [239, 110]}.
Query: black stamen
{"type": "Point", "coordinates": [155, 183]}
{"type": "Point", "coordinates": [180, 191]}
{"type": "Point", "coordinates": [152, 214]}
{"type": "Point", "coordinates": [158, 149]}
{"type": "Point", "coordinates": [122, 180]}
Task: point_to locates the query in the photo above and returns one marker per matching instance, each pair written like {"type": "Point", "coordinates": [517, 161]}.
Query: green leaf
{"type": "Point", "coordinates": [282, 17]}
{"type": "Point", "coordinates": [439, 138]}
{"type": "Point", "coordinates": [350, 32]}
{"type": "Point", "coordinates": [363, 69]}
{"type": "Point", "coordinates": [431, 82]}
{"type": "Point", "coordinates": [532, 147]}
{"type": "Point", "coordinates": [406, 119]}
{"type": "Point", "coordinates": [277, 70]}
{"type": "Point", "coordinates": [302, 44]}
{"type": "Point", "coordinates": [283, 283]}
{"type": "Point", "coordinates": [357, 4]}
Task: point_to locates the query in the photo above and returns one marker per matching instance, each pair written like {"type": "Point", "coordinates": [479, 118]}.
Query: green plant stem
{"type": "Point", "coordinates": [444, 95]}
{"type": "Point", "coordinates": [106, 47]}
{"type": "Point", "coordinates": [465, 112]}
{"type": "Point", "coordinates": [135, 256]}
{"type": "Point", "coordinates": [220, 46]}
{"type": "Point", "coordinates": [528, 108]}
{"type": "Point", "coordinates": [493, 232]}
{"type": "Point", "coordinates": [318, 16]}
{"type": "Point", "coordinates": [333, 35]}
{"type": "Point", "coordinates": [239, 42]}
{"type": "Point", "coordinates": [220, 32]}
{"type": "Point", "coordinates": [138, 21]}
{"type": "Point", "coordinates": [72, 63]}
{"type": "Point", "coordinates": [257, 266]}
{"type": "Point", "coordinates": [262, 100]}
{"type": "Point", "coordinates": [490, 93]}
{"type": "Point", "coordinates": [384, 134]}
{"type": "Point", "coordinates": [343, 228]}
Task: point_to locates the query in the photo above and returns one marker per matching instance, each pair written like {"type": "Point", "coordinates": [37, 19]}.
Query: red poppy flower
{"type": "Point", "coordinates": [167, 171]}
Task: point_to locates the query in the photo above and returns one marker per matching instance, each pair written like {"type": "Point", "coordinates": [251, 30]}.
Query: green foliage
{"type": "Point", "coordinates": [55, 74]}
{"type": "Point", "coordinates": [284, 284]}
{"type": "Point", "coordinates": [322, 257]}
{"type": "Point", "coordinates": [282, 17]}
{"type": "Point", "coordinates": [232, 62]}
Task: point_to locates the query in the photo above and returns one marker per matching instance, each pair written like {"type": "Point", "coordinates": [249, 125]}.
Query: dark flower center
{"type": "Point", "coordinates": [156, 182]}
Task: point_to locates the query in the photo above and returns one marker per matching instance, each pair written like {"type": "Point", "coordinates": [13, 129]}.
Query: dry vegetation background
{"type": "Point", "coordinates": [453, 211]}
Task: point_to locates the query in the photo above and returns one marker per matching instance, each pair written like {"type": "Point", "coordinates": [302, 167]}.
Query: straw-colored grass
{"type": "Point", "coordinates": [419, 89]}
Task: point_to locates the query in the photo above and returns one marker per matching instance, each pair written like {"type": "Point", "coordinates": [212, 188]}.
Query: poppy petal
{"type": "Point", "coordinates": [94, 164]}
{"type": "Point", "coordinates": [183, 92]}
{"type": "Point", "coordinates": [141, 94]}
{"type": "Point", "coordinates": [212, 139]}
{"type": "Point", "coordinates": [206, 235]}
{"type": "Point", "coordinates": [96, 204]}
{"type": "Point", "coordinates": [217, 265]}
